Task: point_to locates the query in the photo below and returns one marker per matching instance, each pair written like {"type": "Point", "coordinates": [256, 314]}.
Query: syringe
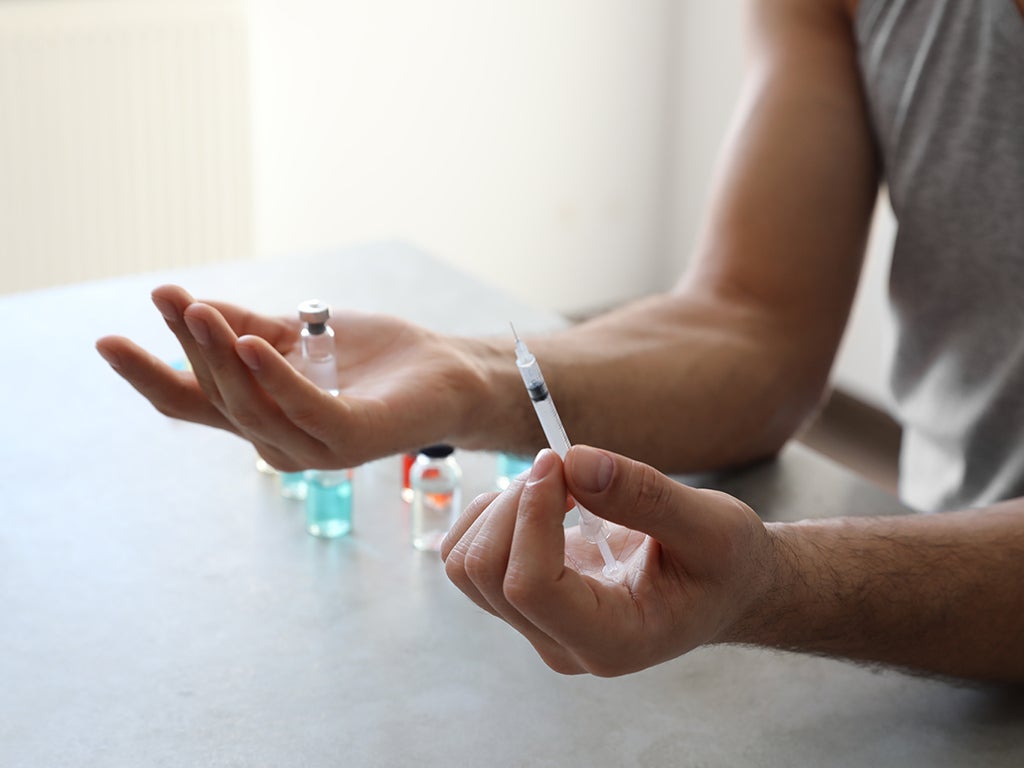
{"type": "Point", "coordinates": [593, 528]}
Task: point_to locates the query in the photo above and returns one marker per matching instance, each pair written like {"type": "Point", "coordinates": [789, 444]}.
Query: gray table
{"type": "Point", "coordinates": [160, 604]}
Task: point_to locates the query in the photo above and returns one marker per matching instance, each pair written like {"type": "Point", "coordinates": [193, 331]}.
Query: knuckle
{"type": "Point", "coordinates": [289, 466]}
{"type": "Point", "coordinates": [455, 566]}
{"type": "Point", "coordinates": [732, 530]}
{"type": "Point", "coordinates": [605, 669]}
{"type": "Point", "coordinates": [165, 409]}
{"type": "Point", "coordinates": [246, 419]}
{"type": "Point", "coordinates": [733, 513]}
{"type": "Point", "coordinates": [309, 417]}
{"type": "Point", "coordinates": [559, 663]}
{"type": "Point", "coordinates": [520, 588]}
{"type": "Point", "coordinates": [278, 459]}
{"type": "Point", "coordinates": [483, 500]}
{"type": "Point", "coordinates": [480, 568]}
{"type": "Point", "coordinates": [613, 662]}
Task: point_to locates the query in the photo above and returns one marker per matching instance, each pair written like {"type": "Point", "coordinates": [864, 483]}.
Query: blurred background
{"type": "Point", "coordinates": [561, 150]}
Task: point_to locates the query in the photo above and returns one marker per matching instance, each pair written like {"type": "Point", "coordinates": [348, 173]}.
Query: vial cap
{"type": "Point", "coordinates": [314, 311]}
{"type": "Point", "coordinates": [437, 451]}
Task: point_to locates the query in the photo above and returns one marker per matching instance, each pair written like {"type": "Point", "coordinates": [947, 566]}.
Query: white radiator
{"type": "Point", "coordinates": [124, 138]}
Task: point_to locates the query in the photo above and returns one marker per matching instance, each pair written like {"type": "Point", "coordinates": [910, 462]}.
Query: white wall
{"type": "Point", "coordinates": [710, 56]}
{"type": "Point", "coordinates": [124, 132]}
{"type": "Point", "coordinates": [514, 138]}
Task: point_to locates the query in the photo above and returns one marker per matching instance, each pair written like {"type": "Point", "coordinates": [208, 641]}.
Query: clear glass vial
{"type": "Point", "coordinates": [510, 466]}
{"type": "Point", "coordinates": [317, 341]}
{"type": "Point", "coordinates": [329, 502]}
{"type": "Point", "coordinates": [436, 481]}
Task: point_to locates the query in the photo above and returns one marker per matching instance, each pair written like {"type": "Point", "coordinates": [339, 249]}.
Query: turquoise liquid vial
{"type": "Point", "coordinates": [294, 485]}
{"type": "Point", "coordinates": [510, 466]}
{"type": "Point", "coordinates": [329, 502]}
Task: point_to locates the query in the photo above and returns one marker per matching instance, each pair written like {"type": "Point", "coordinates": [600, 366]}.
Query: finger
{"type": "Point", "coordinates": [477, 566]}
{"type": "Point", "coordinates": [172, 301]}
{"type": "Point", "coordinates": [465, 520]}
{"type": "Point", "coordinates": [474, 510]}
{"type": "Point", "coordinates": [172, 393]}
{"type": "Point", "coordinates": [256, 415]}
{"type": "Point", "coordinates": [281, 332]}
{"type": "Point", "coordinates": [319, 414]}
{"type": "Point", "coordinates": [594, 619]}
{"type": "Point", "coordinates": [687, 520]}
{"type": "Point", "coordinates": [455, 557]}
{"type": "Point", "coordinates": [537, 583]}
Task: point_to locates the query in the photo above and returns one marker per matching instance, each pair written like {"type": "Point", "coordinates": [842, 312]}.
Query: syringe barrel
{"type": "Point", "coordinates": [532, 377]}
{"type": "Point", "coordinates": [552, 426]}
{"type": "Point", "coordinates": [592, 527]}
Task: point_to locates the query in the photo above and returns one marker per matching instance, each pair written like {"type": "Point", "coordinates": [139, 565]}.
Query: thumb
{"type": "Point", "coordinates": [635, 495]}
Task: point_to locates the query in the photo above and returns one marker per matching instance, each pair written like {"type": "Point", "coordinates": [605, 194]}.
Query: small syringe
{"type": "Point", "coordinates": [593, 528]}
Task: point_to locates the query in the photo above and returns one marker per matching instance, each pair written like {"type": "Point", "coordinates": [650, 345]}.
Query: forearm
{"type": "Point", "coordinates": [938, 593]}
{"type": "Point", "coordinates": [680, 382]}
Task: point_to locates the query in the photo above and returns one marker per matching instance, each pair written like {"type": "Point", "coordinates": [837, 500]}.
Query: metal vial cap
{"type": "Point", "coordinates": [314, 311]}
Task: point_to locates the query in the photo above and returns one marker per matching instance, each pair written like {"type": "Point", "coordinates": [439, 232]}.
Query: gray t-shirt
{"type": "Point", "coordinates": [944, 81]}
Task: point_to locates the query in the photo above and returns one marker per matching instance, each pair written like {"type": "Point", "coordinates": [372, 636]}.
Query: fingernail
{"type": "Point", "coordinates": [592, 469]}
{"type": "Point", "coordinates": [166, 309]}
{"type": "Point", "coordinates": [249, 356]}
{"type": "Point", "coordinates": [199, 329]}
{"type": "Point", "coordinates": [542, 466]}
{"type": "Point", "coordinates": [112, 360]}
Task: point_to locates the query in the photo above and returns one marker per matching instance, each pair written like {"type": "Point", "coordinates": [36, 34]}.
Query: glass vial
{"type": "Point", "coordinates": [293, 485]}
{"type": "Point", "coordinates": [317, 341]}
{"type": "Point", "coordinates": [436, 481]}
{"type": "Point", "coordinates": [329, 502]}
{"type": "Point", "coordinates": [328, 492]}
{"type": "Point", "coordinates": [510, 466]}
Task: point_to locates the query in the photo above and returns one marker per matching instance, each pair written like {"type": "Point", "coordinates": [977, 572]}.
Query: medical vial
{"type": "Point", "coordinates": [329, 502]}
{"type": "Point", "coordinates": [407, 461]}
{"type": "Point", "coordinates": [510, 466]}
{"type": "Point", "coordinates": [328, 492]}
{"type": "Point", "coordinates": [317, 341]}
{"type": "Point", "coordinates": [436, 481]}
{"type": "Point", "coordinates": [293, 485]}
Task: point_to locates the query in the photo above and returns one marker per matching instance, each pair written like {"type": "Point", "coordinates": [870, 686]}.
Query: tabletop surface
{"type": "Point", "coordinates": [161, 603]}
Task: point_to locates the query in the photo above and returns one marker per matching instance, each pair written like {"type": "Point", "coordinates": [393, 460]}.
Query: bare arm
{"type": "Point", "coordinates": [723, 369]}
{"type": "Point", "coordinates": [941, 593]}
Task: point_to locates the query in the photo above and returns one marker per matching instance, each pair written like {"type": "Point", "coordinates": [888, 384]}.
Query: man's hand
{"type": "Point", "coordinates": [401, 386]}
{"type": "Point", "coordinates": [933, 593]}
{"type": "Point", "coordinates": [695, 563]}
